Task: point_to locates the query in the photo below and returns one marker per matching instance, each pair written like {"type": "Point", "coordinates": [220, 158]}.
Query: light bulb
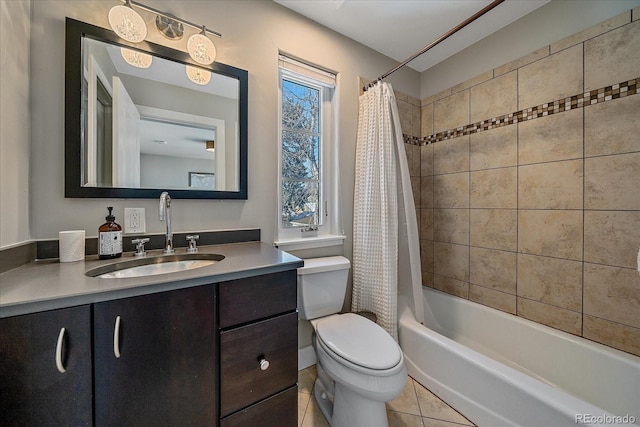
{"type": "Point", "coordinates": [201, 48]}
{"type": "Point", "coordinates": [127, 23]}
{"type": "Point", "coordinates": [198, 75]}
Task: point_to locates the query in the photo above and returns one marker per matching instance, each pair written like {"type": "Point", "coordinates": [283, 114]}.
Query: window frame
{"type": "Point", "coordinates": [326, 235]}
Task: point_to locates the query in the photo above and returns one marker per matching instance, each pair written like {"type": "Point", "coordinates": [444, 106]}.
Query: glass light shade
{"type": "Point", "coordinates": [211, 146]}
{"type": "Point", "coordinates": [135, 58]}
{"type": "Point", "coordinates": [198, 75]}
{"type": "Point", "coordinates": [201, 49]}
{"type": "Point", "coordinates": [127, 23]}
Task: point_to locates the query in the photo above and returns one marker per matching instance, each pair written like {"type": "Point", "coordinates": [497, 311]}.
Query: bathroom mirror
{"type": "Point", "coordinates": [143, 118]}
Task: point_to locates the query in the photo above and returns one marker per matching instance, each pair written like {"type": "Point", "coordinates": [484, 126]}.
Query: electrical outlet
{"type": "Point", "coordinates": [134, 220]}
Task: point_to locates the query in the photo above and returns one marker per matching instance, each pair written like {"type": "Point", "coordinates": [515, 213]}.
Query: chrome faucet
{"type": "Point", "coordinates": [165, 207]}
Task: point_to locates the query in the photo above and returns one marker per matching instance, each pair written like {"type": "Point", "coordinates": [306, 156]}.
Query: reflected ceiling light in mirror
{"type": "Point", "coordinates": [211, 146]}
{"type": "Point", "coordinates": [201, 48]}
{"type": "Point", "coordinates": [127, 23]}
{"type": "Point", "coordinates": [135, 58]}
{"type": "Point", "coordinates": [198, 75]}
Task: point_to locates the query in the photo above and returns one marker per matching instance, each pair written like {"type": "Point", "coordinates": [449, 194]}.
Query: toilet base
{"type": "Point", "coordinates": [324, 400]}
{"type": "Point", "coordinates": [342, 407]}
{"type": "Point", "coordinates": [354, 410]}
{"type": "Point", "coordinates": [351, 409]}
{"type": "Point", "coordinates": [323, 390]}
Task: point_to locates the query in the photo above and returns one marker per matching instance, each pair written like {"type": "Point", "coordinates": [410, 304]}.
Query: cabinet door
{"type": "Point", "coordinates": [166, 370]}
{"type": "Point", "coordinates": [45, 371]}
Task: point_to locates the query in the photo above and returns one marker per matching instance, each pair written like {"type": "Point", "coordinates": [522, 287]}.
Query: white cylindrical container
{"type": "Point", "coordinates": [71, 245]}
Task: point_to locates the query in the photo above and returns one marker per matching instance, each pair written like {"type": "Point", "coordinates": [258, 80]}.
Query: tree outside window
{"type": "Point", "coordinates": [301, 139]}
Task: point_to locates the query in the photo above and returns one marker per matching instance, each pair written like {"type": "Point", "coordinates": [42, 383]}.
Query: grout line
{"type": "Point", "coordinates": [415, 394]}
{"type": "Point", "coordinates": [518, 198]}
{"type": "Point", "coordinates": [584, 195]}
{"type": "Point", "coordinates": [306, 409]}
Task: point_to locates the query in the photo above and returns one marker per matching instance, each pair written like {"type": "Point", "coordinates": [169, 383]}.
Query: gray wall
{"type": "Point", "coordinates": [253, 33]}
{"type": "Point", "coordinates": [172, 172]}
{"type": "Point", "coordinates": [15, 133]}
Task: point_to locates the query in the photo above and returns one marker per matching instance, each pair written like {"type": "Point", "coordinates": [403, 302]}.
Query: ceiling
{"type": "Point", "coordinates": [400, 28]}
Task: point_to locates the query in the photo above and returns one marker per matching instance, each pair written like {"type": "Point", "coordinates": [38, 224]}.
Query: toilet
{"type": "Point", "coordinates": [360, 366]}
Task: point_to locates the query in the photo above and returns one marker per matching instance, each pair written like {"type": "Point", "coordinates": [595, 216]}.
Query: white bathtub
{"type": "Point", "coordinates": [501, 370]}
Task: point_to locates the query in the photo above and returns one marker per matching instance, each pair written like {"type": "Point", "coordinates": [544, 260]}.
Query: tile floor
{"type": "Point", "coordinates": [415, 407]}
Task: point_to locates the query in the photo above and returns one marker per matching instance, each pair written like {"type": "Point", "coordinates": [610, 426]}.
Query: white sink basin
{"type": "Point", "coordinates": [155, 265]}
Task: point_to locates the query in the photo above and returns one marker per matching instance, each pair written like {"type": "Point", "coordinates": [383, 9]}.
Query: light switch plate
{"type": "Point", "coordinates": [134, 220]}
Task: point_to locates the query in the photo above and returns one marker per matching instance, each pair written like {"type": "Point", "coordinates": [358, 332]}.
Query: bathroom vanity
{"type": "Point", "coordinates": [215, 345]}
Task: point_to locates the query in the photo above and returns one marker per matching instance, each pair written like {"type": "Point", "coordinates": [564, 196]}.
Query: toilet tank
{"type": "Point", "coordinates": [322, 284]}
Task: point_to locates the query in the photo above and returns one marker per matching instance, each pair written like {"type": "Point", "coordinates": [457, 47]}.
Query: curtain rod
{"type": "Point", "coordinates": [437, 41]}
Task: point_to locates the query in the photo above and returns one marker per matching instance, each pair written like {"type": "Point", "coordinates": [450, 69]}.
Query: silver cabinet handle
{"type": "Point", "coordinates": [59, 345]}
{"type": "Point", "coordinates": [264, 364]}
{"type": "Point", "coordinates": [116, 338]}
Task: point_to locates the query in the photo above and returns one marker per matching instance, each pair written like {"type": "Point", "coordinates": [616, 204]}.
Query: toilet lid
{"type": "Point", "coordinates": [358, 340]}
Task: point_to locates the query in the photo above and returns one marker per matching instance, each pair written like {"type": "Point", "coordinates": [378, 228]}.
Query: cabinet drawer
{"type": "Point", "coordinates": [243, 382]}
{"type": "Point", "coordinates": [253, 298]}
{"type": "Point", "coordinates": [280, 410]}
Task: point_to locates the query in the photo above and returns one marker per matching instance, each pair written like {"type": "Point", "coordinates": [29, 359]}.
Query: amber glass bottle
{"type": "Point", "coordinates": [109, 238]}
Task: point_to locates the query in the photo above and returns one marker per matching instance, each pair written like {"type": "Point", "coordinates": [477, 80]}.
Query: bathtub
{"type": "Point", "coordinates": [501, 370]}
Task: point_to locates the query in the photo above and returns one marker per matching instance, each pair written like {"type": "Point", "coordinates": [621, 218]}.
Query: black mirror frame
{"type": "Point", "coordinates": [75, 31]}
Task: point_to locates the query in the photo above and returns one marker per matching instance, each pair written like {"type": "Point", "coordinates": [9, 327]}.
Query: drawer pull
{"type": "Point", "coordinates": [59, 345]}
{"type": "Point", "coordinates": [116, 338]}
{"type": "Point", "coordinates": [264, 363]}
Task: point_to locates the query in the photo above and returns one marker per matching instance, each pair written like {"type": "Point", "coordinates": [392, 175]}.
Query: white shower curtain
{"type": "Point", "coordinates": [382, 185]}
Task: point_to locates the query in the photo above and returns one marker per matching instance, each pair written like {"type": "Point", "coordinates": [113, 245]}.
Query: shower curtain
{"type": "Point", "coordinates": [384, 224]}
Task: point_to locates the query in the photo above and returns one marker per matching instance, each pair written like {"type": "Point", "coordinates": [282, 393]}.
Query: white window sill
{"type": "Point", "coordinates": [310, 242]}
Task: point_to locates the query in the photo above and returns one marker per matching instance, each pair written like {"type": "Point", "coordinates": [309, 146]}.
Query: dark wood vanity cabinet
{"type": "Point", "coordinates": [155, 359]}
{"type": "Point", "coordinates": [45, 368]}
{"type": "Point", "coordinates": [221, 354]}
{"type": "Point", "coordinates": [259, 351]}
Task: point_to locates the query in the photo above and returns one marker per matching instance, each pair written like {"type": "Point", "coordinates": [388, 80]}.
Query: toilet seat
{"type": "Point", "coordinates": [357, 341]}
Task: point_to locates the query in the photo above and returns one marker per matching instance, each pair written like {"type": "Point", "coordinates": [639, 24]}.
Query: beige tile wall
{"type": "Point", "coordinates": [541, 218]}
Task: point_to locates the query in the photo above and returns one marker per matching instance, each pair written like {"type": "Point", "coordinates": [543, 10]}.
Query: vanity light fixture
{"type": "Point", "coordinates": [127, 23]}
{"type": "Point", "coordinates": [198, 75]}
{"type": "Point", "coordinates": [135, 58]}
{"type": "Point", "coordinates": [201, 48]}
{"type": "Point", "coordinates": [169, 27]}
{"type": "Point", "coordinates": [211, 145]}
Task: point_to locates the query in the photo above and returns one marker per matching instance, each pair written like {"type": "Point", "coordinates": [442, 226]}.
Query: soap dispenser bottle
{"type": "Point", "coordinates": [109, 238]}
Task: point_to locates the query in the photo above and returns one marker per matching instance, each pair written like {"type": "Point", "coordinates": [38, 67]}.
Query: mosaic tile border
{"type": "Point", "coordinates": [607, 93]}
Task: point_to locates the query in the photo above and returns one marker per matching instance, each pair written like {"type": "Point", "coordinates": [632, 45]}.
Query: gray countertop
{"type": "Point", "coordinates": [48, 285]}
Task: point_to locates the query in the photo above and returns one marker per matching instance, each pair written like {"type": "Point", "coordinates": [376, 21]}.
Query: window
{"type": "Point", "coordinates": [307, 198]}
